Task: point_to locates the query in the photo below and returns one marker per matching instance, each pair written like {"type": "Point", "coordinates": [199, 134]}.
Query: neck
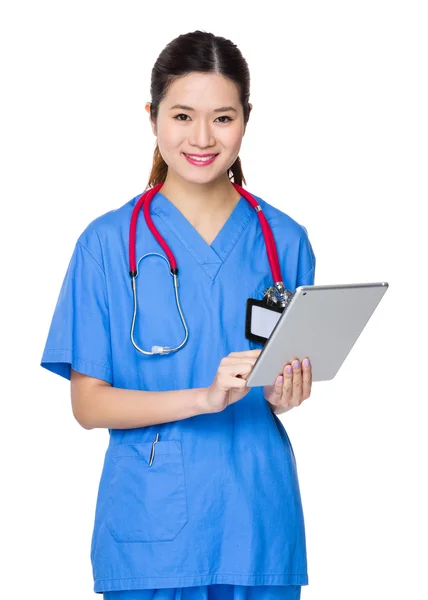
{"type": "Point", "coordinates": [196, 199]}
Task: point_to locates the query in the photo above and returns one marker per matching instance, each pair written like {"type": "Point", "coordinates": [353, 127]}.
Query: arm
{"type": "Point", "coordinates": [97, 404]}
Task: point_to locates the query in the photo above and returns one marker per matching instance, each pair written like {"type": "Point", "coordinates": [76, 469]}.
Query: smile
{"type": "Point", "coordinates": [200, 160]}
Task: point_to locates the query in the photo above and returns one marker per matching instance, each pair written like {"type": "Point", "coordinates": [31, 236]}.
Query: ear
{"type": "Point", "coordinates": [147, 107]}
{"type": "Point", "coordinates": [251, 108]}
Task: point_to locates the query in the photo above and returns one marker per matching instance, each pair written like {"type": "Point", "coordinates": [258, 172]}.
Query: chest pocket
{"type": "Point", "coordinates": [147, 503]}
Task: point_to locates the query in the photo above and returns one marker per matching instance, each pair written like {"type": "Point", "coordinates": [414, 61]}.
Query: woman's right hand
{"type": "Point", "coordinates": [229, 384]}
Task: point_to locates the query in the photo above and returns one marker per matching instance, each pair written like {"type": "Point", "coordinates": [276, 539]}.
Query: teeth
{"type": "Point", "coordinates": [200, 159]}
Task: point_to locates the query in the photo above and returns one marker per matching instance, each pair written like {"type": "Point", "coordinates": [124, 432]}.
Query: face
{"type": "Point", "coordinates": [197, 126]}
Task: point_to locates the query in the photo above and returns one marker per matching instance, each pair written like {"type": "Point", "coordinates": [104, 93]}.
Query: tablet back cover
{"type": "Point", "coordinates": [322, 323]}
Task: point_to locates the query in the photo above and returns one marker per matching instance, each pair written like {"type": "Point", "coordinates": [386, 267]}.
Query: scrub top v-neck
{"type": "Point", "coordinates": [221, 501]}
{"type": "Point", "coordinates": [209, 256]}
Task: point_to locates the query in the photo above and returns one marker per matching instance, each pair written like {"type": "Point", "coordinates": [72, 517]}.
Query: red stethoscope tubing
{"type": "Point", "coordinates": [144, 201]}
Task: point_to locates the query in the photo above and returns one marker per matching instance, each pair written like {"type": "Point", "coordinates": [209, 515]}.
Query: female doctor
{"type": "Point", "coordinates": [199, 496]}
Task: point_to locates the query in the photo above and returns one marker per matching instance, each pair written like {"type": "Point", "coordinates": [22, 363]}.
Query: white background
{"type": "Point", "coordinates": [338, 140]}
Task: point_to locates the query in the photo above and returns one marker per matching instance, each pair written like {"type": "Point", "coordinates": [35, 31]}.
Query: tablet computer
{"type": "Point", "coordinates": [321, 322]}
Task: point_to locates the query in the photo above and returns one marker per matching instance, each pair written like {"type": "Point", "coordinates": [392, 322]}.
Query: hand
{"type": "Point", "coordinates": [292, 390]}
{"type": "Point", "coordinates": [230, 384]}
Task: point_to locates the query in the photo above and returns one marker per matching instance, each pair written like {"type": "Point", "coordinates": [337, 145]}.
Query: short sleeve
{"type": "Point", "coordinates": [307, 261]}
{"type": "Point", "coordinates": [79, 334]}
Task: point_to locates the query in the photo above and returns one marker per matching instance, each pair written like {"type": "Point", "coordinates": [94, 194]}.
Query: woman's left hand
{"type": "Point", "coordinates": [290, 388]}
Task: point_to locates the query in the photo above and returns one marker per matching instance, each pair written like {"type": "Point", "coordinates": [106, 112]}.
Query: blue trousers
{"type": "Point", "coordinates": [212, 592]}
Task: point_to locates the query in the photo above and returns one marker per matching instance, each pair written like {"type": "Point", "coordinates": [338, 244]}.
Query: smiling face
{"type": "Point", "coordinates": [201, 114]}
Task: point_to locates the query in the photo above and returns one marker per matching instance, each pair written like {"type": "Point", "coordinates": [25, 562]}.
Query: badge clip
{"type": "Point", "coordinates": [263, 315]}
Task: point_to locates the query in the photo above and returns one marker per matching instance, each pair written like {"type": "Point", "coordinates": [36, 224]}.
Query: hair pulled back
{"type": "Point", "coordinates": [201, 52]}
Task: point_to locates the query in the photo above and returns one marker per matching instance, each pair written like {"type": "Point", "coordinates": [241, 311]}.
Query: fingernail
{"type": "Point", "coordinates": [296, 364]}
{"type": "Point", "coordinates": [306, 362]}
{"type": "Point", "coordinates": [280, 378]}
{"type": "Point", "coordinates": [289, 370]}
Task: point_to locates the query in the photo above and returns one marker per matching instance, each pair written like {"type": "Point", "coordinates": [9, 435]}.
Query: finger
{"type": "Point", "coordinates": [231, 362]}
{"type": "Point", "coordinates": [277, 390]}
{"type": "Point", "coordinates": [236, 383]}
{"type": "Point", "coordinates": [297, 382]}
{"type": "Point", "coordinates": [307, 378]}
{"type": "Point", "coordinates": [238, 370]}
{"type": "Point", "coordinates": [231, 381]}
{"type": "Point", "coordinates": [244, 354]}
{"type": "Point", "coordinates": [287, 387]}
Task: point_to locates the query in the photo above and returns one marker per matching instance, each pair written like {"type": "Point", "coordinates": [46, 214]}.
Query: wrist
{"type": "Point", "coordinates": [271, 406]}
{"type": "Point", "coordinates": [278, 410]}
{"type": "Point", "coordinates": [201, 401]}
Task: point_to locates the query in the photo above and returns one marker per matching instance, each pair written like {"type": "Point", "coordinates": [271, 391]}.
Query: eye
{"type": "Point", "coordinates": [180, 115]}
{"type": "Point", "coordinates": [184, 115]}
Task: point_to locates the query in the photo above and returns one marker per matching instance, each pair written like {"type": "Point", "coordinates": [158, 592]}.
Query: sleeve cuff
{"type": "Point", "coordinates": [61, 362]}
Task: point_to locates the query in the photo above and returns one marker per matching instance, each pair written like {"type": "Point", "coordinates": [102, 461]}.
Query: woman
{"type": "Point", "coordinates": [199, 495]}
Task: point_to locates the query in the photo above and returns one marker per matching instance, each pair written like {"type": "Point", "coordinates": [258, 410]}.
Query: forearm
{"type": "Point", "coordinates": [116, 408]}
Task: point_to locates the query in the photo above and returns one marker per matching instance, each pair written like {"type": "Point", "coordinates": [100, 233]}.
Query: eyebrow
{"type": "Point", "coordinates": [222, 109]}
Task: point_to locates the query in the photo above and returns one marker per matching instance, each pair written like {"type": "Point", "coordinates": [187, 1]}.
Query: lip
{"type": "Point", "coordinates": [200, 155]}
{"type": "Point", "coordinates": [199, 163]}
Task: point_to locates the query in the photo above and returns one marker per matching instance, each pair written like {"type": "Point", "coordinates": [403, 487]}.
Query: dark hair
{"type": "Point", "coordinates": [201, 52]}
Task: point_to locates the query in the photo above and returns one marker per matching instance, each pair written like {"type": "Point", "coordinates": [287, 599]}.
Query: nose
{"type": "Point", "coordinates": [201, 135]}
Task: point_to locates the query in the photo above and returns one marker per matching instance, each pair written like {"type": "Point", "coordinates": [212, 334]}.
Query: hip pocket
{"type": "Point", "coordinates": [147, 503]}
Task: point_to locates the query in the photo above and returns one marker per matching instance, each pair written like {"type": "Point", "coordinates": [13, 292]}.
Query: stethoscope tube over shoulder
{"type": "Point", "coordinates": [276, 293]}
{"type": "Point", "coordinates": [145, 200]}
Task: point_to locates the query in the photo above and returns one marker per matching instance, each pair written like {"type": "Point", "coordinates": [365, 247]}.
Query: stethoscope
{"type": "Point", "coordinates": [276, 294]}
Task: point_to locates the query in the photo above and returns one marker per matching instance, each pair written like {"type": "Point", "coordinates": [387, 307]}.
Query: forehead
{"type": "Point", "coordinates": [201, 90]}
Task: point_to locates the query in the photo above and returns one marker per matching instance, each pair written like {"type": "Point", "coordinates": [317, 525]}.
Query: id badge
{"type": "Point", "coordinates": [261, 319]}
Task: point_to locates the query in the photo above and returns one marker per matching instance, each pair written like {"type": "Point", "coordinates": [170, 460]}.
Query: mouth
{"type": "Point", "coordinates": [200, 160]}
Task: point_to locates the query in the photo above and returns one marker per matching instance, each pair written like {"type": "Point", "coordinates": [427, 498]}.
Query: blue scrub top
{"type": "Point", "coordinates": [221, 502]}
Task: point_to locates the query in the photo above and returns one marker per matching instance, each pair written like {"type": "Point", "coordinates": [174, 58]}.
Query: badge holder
{"type": "Point", "coordinates": [262, 315]}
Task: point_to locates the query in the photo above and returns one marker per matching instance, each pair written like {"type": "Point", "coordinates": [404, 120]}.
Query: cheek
{"type": "Point", "coordinates": [169, 150]}
{"type": "Point", "coordinates": [232, 140]}
{"type": "Point", "coordinates": [169, 138]}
